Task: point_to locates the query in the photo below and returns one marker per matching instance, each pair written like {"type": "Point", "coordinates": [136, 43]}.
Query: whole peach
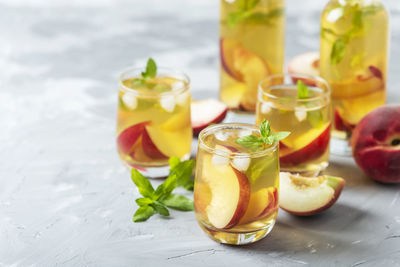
{"type": "Point", "coordinates": [376, 144]}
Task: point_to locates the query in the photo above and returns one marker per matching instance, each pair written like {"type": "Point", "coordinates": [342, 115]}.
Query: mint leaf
{"type": "Point", "coordinates": [183, 172]}
{"type": "Point", "coordinates": [160, 208]}
{"type": "Point", "coordinates": [173, 162]}
{"type": "Point", "coordinates": [165, 189]}
{"type": "Point", "coordinates": [252, 142]}
{"type": "Point", "coordinates": [235, 17]}
{"type": "Point", "coordinates": [178, 202]}
{"type": "Point", "coordinates": [259, 167]}
{"type": "Point", "coordinates": [151, 70]}
{"type": "Point", "coordinates": [279, 136]}
{"type": "Point", "coordinates": [302, 90]}
{"type": "Point", "coordinates": [144, 186]}
{"type": "Point", "coordinates": [143, 213]}
{"type": "Point", "coordinates": [144, 201]}
{"type": "Point", "coordinates": [265, 128]}
{"type": "Point", "coordinates": [264, 18]}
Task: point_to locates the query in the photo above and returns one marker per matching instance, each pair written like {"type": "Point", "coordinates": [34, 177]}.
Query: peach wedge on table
{"type": "Point", "coordinates": [305, 196]}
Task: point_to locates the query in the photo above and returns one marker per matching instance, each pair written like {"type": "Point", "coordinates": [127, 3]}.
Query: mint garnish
{"type": "Point", "coordinates": [160, 199]}
{"type": "Point", "coordinates": [314, 117]}
{"type": "Point", "coordinates": [254, 142]}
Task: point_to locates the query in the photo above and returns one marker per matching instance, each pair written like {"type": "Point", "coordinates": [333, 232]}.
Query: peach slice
{"type": "Point", "coordinates": [305, 148]}
{"type": "Point", "coordinates": [149, 148]}
{"type": "Point", "coordinates": [308, 195]}
{"type": "Point", "coordinates": [306, 63]}
{"type": "Point", "coordinates": [244, 66]}
{"type": "Point", "coordinates": [202, 197]}
{"type": "Point", "coordinates": [261, 202]}
{"type": "Point", "coordinates": [206, 112]}
{"type": "Point", "coordinates": [230, 193]}
{"type": "Point", "coordinates": [232, 94]}
{"type": "Point", "coordinates": [167, 141]}
{"type": "Point", "coordinates": [364, 83]}
{"type": "Point", "coordinates": [341, 124]}
{"type": "Point", "coordinates": [129, 136]}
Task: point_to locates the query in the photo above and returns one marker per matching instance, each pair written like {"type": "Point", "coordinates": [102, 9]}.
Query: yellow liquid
{"type": "Point", "coordinates": [306, 149]}
{"type": "Point", "coordinates": [354, 43]}
{"type": "Point", "coordinates": [154, 124]}
{"type": "Point", "coordinates": [216, 187]}
{"type": "Point", "coordinates": [250, 49]}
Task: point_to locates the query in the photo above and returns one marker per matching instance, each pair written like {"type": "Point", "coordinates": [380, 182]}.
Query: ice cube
{"type": "Point", "coordinates": [221, 136]}
{"type": "Point", "coordinates": [129, 100]}
{"type": "Point", "coordinates": [241, 163]}
{"type": "Point", "coordinates": [168, 102]}
{"type": "Point", "coordinates": [245, 133]}
{"type": "Point", "coordinates": [300, 113]}
{"type": "Point", "coordinates": [266, 107]}
{"type": "Point", "coordinates": [218, 160]}
{"type": "Point", "coordinates": [176, 86]}
{"type": "Point", "coordinates": [182, 99]}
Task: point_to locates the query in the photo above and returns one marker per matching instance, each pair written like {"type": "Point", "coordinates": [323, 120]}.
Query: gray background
{"type": "Point", "coordinates": [66, 199]}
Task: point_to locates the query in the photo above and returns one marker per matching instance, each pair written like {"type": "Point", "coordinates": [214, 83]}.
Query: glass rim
{"type": "Point", "coordinates": [247, 126]}
{"type": "Point", "coordinates": [326, 93]}
{"type": "Point", "coordinates": [169, 72]}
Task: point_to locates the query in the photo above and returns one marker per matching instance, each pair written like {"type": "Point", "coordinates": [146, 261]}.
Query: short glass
{"type": "Point", "coordinates": [235, 190]}
{"type": "Point", "coordinates": [153, 124]}
{"type": "Point", "coordinates": [306, 149]}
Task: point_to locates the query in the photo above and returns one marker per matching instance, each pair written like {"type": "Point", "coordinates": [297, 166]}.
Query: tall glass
{"type": "Point", "coordinates": [306, 149]}
{"type": "Point", "coordinates": [235, 190]}
{"type": "Point", "coordinates": [353, 51]}
{"type": "Point", "coordinates": [251, 47]}
{"type": "Point", "coordinates": [153, 121]}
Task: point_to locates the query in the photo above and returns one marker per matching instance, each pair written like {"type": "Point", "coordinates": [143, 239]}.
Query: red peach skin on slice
{"type": "Point", "coordinates": [129, 136]}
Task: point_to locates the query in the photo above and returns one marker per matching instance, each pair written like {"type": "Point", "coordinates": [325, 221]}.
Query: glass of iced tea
{"type": "Point", "coordinates": [153, 121]}
{"type": "Point", "coordinates": [236, 188]}
{"type": "Point", "coordinates": [299, 104]}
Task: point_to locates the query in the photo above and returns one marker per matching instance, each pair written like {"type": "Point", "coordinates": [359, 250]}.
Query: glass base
{"type": "Point", "coordinates": [340, 147]}
{"type": "Point", "coordinates": [239, 238]}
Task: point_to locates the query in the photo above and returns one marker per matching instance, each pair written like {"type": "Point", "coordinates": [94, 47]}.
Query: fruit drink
{"type": "Point", "coordinates": [153, 121]}
{"type": "Point", "coordinates": [251, 48]}
{"type": "Point", "coordinates": [236, 189]}
{"type": "Point", "coordinates": [307, 117]}
{"type": "Point", "coordinates": [354, 47]}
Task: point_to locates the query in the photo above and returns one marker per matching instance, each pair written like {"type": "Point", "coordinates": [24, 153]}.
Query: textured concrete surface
{"type": "Point", "coordinates": [65, 198]}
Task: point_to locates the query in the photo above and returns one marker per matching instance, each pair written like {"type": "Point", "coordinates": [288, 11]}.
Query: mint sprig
{"type": "Point", "coordinates": [160, 199]}
{"type": "Point", "coordinates": [146, 77]}
{"type": "Point", "coordinates": [254, 142]}
{"type": "Point", "coordinates": [314, 117]}
{"type": "Point", "coordinates": [246, 13]}
{"type": "Point", "coordinates": [339, 46]}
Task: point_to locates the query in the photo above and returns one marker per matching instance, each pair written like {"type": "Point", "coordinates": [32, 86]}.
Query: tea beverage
{"type": "Point", "coordinates": [306, 149]}
{"type": "Point", "coordinates": [251, 47]}
{"type": "Point", "coordinates": [353, 51]}
{"type": "Point", "coordinates": [153, 120]}
{"type": "Point", "coordinates": [236, 189]}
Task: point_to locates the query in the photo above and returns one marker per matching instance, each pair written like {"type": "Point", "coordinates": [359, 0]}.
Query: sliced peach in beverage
{"type": "Point", "coordinates": [309, 146]}
{"type": "Point", "coordinates": [202, 197]}
{"type": "Point", "coordinates": [150, 148]}
{"type": "Point", "coordinates": [244, 66]}
{"type": "Point", "coordinates": [232, 94]}
{"type": "Point", "coordinates": [341, 124]}
{"type": "Point", "coordinates": [364, 83]}
{"type": "Point", "coordinates": [308, 195]}
{"type": "Point", "coordinates": [129, 136]}
{"type": "Point", "coordinates": [352, 110]}
{"type": "Point", "coordinates": [230, 193]}
{"type": "Point", "coordinates": [260, 203]}
{"type": "Point", "coordinates": [171, 143]}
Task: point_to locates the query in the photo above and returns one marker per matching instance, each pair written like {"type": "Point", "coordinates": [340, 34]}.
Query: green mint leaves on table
{"type": "Point", "coordinates": [160, 199]}
{"type": "Point", "coordinates": [314, 117]}
{"type": "Point", "coordinates": [341, 40]}
{"type": "Point", "coordinates": [246, 12]}
{"type": "Point", "coordinates": [254, 142]}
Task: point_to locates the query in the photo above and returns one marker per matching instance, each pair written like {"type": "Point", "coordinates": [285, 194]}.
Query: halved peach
{"type": "Point", "coordinates": [308, 195]}
{"type": "Point", "coordinates": [129, 136]}
{"type": "Point", "coordinates": [305, 148]}
{"type": "Point", "coordinates": [206, 112]}
{"type": "Point", "coordinates": [364, 83]}
{"type": "Point", "coordinates": [306, 63]}
{"type": "Point", "coordinates": [230, 193]}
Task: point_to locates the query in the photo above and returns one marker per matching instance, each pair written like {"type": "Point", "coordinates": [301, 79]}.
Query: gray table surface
{"type": "Point", "coordinates": [66, 199]}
